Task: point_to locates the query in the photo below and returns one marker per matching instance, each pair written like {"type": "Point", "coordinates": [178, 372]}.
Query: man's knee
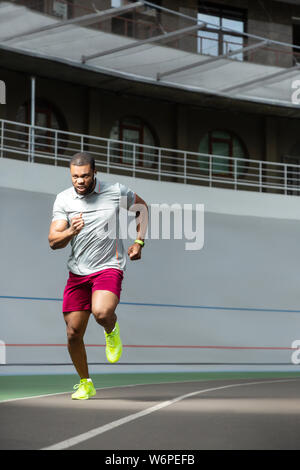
{"type": "Point", "coordinates": [104, 314]}
{"type": "Point", "coordinates": [74, 334]}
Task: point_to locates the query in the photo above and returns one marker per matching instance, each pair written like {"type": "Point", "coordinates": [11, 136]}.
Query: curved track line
{"type": "Point", "coordinates": [108, 388]}
{"type": "Point", "coordinates": [119, 422]}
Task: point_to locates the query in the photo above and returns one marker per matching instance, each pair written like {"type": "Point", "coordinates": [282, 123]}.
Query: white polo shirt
{"type": "Point", "coordinates": [97, 246]}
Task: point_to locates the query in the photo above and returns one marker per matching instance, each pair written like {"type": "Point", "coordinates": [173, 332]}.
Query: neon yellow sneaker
{"type": "Point", "coordinates": [85, 390]}
{"type": "Point", "coordinates": [113, 344]}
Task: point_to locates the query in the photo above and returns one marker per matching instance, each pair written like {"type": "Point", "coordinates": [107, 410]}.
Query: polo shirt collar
{"type": "Point", "coordinates": [96, 190]}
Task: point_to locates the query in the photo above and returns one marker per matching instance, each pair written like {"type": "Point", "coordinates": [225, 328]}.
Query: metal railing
{"type": "Point", "coordinates": [56, 147]}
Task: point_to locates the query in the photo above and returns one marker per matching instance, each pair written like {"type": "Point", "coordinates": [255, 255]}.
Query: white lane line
{"type": "Point", "coordinates": [32, 396]}
{"type": "Point", "coordinates": [119, 422]}
{"type": "Point", "coordinates": [106, 388]}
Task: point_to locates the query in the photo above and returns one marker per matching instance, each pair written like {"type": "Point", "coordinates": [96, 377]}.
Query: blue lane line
{"type": "Point", "coordinates": [209, 307]}
{"type": "Point", "coordinates": [206, 307]}
{"type": "Point", "coordinates": [29, 298]}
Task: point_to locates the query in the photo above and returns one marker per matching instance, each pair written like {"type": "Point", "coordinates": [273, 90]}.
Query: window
{"type": "Point", "coordinates": [223, 144]}
{"type": "Point", "coordinates": [133, 131]}
{"type": "Point", "coordinates": [116, 3]}
{"type": "Point", "coordinates": [60, 9]}
{"type": "Point", "coordinates": [214, 42]}
{"type": "Point", "coordinates": [46, 115]}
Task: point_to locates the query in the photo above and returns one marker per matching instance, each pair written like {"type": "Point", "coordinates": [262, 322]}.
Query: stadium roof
{"type": "Point", "coordinates": [150, 61]}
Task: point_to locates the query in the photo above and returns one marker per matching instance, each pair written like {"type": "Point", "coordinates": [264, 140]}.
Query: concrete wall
{"type": "Point", "coordinates": [237, 299]}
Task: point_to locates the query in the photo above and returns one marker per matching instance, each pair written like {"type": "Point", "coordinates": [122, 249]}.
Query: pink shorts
{"type": "Point", "coordinates": [79, 289]}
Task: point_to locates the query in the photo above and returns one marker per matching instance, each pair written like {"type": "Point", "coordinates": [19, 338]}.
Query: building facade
{"type": "Point", "coordinates": [205, 124]}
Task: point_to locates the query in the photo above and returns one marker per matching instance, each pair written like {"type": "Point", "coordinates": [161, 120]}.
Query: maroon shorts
{"type": "Point", "coordinates": [79, 289]}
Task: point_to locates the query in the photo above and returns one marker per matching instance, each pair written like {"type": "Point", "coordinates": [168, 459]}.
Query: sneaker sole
{"type": "Point", "coordinates": [84, 398]}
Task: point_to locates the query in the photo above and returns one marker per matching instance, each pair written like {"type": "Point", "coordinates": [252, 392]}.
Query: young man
{"type": "Point", "coordinates": [84, 215]}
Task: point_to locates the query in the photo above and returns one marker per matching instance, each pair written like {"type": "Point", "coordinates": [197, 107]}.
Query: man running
{"type": "Point", "coordinates": [83, 215]}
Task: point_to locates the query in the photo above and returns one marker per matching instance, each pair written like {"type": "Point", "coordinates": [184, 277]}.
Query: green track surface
{"type": "Point", "coordinates": [21, 386]}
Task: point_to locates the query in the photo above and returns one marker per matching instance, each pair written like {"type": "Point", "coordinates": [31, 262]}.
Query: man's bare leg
{"type": "Point", "coordinates": [104, 304]}
{"type": "Point", "coordinates": [76, 325]}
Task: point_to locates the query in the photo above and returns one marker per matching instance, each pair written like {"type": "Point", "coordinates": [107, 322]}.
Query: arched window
{"type": "Point", "coordinates": [48, 116]}
{"type": "Point", "coordinates": [222, 144]}
{"type": "Point", "coordinates": [133, 131]}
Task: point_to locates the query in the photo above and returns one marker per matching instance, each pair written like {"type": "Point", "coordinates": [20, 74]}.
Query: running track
{"type": "Point", "coordinates": [220, 414]}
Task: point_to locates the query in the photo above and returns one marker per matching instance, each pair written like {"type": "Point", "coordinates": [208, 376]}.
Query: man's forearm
{"type": "Point", "coordinates": [61, 239]}
{"type": "Point", "coordinates": [142, 223]}
{"type": "Point", "coordinates": [140, 233]}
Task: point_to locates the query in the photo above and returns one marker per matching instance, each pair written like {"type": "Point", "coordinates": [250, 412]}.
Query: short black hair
{"type": "Point", "coordinates": [83, 158]}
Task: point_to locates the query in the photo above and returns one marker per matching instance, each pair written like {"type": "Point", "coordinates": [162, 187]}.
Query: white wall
{"type": "Point", "coordinates": [237, 292]}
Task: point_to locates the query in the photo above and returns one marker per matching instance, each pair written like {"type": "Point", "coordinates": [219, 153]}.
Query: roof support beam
{"type": "Point", "coordinates": [162, 37]}
{"type": "Point", "coordinates": [273, 77]}
{"type": "Point", "coordinates": [84, 20]}
{"type": "Point", "coordinates": [212, 59]}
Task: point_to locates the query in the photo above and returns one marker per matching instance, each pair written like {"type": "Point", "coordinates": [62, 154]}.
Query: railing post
{"type": "Point", "coordinates": [184, 167]}
{"type": "Point", "coordinates": [55, 148]}
{"type": "Point", "coordinates": [108, 156]}
{"type": "Point", "coordinates": [2, 137]}
{"type": "Point", "coordinates": [133, 160]}
{"type": "Point", "coordinates": [32, 143]}
{"type": "Point", "coordinates": [159, 164]}
{"type": "Point", "coordinates": [210, 170]}
{"type": "Point", "coordinates": [285, 179]}
{"type": "Point", "coordinates": [29, 144]}
{"type": "Point", "coordinates": [235, 173]}
{"type": "Point", "coordinates": [260, 176]}
{"type": "Point", "coordinates": [81, 143]}
{"type": "Point", "coordinates": [32, 130]}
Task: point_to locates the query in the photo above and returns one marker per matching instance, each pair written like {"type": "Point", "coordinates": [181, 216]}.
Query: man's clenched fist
{"type": "Point", "coordinates": [77, 224]}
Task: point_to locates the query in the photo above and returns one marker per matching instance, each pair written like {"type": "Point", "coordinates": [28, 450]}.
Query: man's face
{"type": "Point", "coordinates": [82, 178]}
